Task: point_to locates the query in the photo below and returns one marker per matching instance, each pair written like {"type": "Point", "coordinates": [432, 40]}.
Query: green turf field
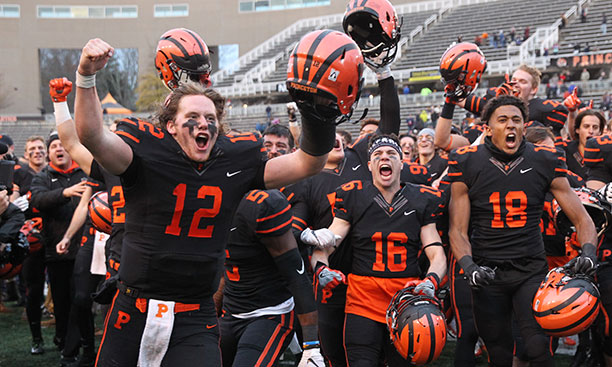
{"type": "Point", "coordinates": [15, 345]}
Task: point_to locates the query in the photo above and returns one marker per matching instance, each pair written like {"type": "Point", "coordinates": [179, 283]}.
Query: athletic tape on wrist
{"type": "Point", "coordinates": [61, 112]}
{"type": "Point", "coordinates": [85, 81]}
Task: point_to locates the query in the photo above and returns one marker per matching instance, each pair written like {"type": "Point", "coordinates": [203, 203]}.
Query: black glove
{"type": "Point", "coordinates": [586, 263]}
{"type": "Point", "coordinates": [478, 276]}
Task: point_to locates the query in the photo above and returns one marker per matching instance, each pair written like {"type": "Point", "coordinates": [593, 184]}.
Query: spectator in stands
{"type": "Point", "coordinates": [583, 15]}
{"type": "Point", "coordinates": [606, 101]}
{"type": "Point", "coordinates": [424, 116]}
{"type": "Point", "coordinates": [553, 85]}
{"type": "Point", "coordinates": [269, 113]}
{"type": "Point", "coordinates": [410, 122]}
{"type": "Point", "coordinates": [563, 21]}
{"type": "Point", "coordinates": [502, 38]}
{"type": "Point", "coordinates": [602, 75]}
{"type": "Point", "coordinates": [604, 24]}
{"type": "Point", "coordinates": [584, 78]}
{"type": "Point", "coordinates": [586, 48]}
{"type": "Point", "coordinates": [477, 40]}
{"type": "Point", "coordinates": [484, 36]}
{"type": "Point", "coordinates": [555, 49]}
{"type": "Point", "coordinates": [347, 138]}
{"type": "Point", "coordinates": [512, 34]}
{"type": "Point", "coordinates": [577, 47]}
{"type": "Point", "coordinates": [527, 33]}
{"type": "Point", "coordinates": [495, 40]}
{"type": "Point", "coordinates": [460, 38]}
{"type": "Point", "coordinates": [406, 89]}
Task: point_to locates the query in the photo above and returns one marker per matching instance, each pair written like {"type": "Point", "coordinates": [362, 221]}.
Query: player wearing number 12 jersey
{"type": "Point", "coordinates": [500, 187]}
{"type": "Point", "coordinates": [182, 182]}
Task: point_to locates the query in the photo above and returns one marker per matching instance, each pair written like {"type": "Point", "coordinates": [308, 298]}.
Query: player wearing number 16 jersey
{"type": "Point", "coordinates": [386, 222]}
{"type": "Point", "coordinates": [500, 187]}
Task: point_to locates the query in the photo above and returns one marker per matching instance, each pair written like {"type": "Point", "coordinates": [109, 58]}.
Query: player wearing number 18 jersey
{"type": "Point", "coordinates": [499, 188]}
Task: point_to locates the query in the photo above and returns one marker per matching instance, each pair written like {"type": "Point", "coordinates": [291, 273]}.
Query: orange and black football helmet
{"type": "Point", "coordinates": [325, 75]}
{"type": "Point", "coordinates": [100, 212]}
{"type": "Point", "coordinates": [32, 229]}
{"type": "Point", "coordinates": [417, 326]}
{"type": "Point", "coordinates": [461, 68]}
{"type": "Point", "coordinates": [566, 303]}
{"type": "Point", "coordinates": [182, 55]}
{"type": "Point", "coordinates": [598, 208]}
{"type": "Point", "coordinates": [375, 27]}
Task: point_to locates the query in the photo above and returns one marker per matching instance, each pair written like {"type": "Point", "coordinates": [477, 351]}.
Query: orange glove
{"type": "Point", "coordinates": [59, 88]}
{"type": "Point", "coordinates": [572, 101]}
{"type": "Point", "coordinates": [588, 107]}
{"type": "Point", "coordinates": [506, 88]}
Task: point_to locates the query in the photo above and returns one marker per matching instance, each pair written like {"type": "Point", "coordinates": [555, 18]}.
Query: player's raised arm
{"type": "Point", "coordinates": [107, 148]}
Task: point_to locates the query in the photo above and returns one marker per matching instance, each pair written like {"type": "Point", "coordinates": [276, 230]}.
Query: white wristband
{"type": "Point", "coordinates": [62, 113]}
{"type": "Point", "coordinates": [293, 123]}
{"type": "Point", "coordinates": [85, 81]}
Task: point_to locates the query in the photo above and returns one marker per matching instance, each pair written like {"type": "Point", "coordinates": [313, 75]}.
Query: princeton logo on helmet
{"type": "Point", "coordinates": [374, 26]}
{"type": "Point", "coordinates": [324, 75]}
{"type": "Point", "coordinates": [182, 55]}
{"type": "Point", "coordinates": [566, 303]}
{"type": "Point", "coordinates": [462, 66]}
{"type": "Point", "coordinates": [100, 212]}
{"type": "Point", "coordinates": [417, 326]}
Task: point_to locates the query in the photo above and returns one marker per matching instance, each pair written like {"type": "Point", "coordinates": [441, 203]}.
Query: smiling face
{"type": "Point", "coordinates": [589, 127]}
{"type": "Point", "coordinates": [386, 166]}
{"type": "Point", "coordinates": [276, 145]}
{"type": "Point", "coordinates": [506, 128]}
{"type": "Point", "coordinates": [36, 152]}
{"type": "Point", "coordinates": [425, 144]}
{"type": "Point", "coordinates": [58, 156]}
{"type": "Point", "coordinates": [195, 126]}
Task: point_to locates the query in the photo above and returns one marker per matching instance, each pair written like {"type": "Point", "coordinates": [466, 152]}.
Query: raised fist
{"type": "Point", "coordinates": [94, 56]}
{"type": "Point", "coordinates": [59, 88]}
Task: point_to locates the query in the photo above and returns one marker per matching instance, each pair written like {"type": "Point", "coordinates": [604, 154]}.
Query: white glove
{"type": "Point", "coordinates": [606, 191]}
{"type": "Point", "coordinates": [321, 238]}
{"type": "Point", "coordinates": [22, 203]}
{"type": "Point", "coordinates": [292, 111]}
{"type": "Point", "coordinates": [312, 358]}
{"type": "Point", "coordinates": [382, 72]}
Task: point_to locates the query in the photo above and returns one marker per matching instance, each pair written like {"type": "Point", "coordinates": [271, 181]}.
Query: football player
{"type": "Point", "coordinates": [589, 124]}
{"type": "Point", "coordinates": [387, 223]}
{"type": "Point", "coordinates": [499, 189]}
{"type": "Point", "coordinates": [182, 181]}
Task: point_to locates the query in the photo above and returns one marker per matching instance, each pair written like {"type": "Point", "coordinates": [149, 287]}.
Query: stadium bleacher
{"type": "Point", "coordinates": [589, 32]}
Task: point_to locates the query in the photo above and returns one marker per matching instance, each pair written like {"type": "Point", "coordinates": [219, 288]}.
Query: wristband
{"type": "Point", "coordinates": [434, 278]}
{"type": "Point", "coordinates": [61, 112]}
{"type": "Point", "coordinates": [447, 111]}
{"type": "Point", "coordinates": [85, 81]}
{"type": "Point", "coordinates": [310, 345]}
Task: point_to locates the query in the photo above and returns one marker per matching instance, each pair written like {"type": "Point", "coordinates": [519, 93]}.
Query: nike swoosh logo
{"type": "Point", "coordinates": [233, 229]}
{"type": "Point", "coordinates": [434, 174]}
{"type": "Point", "coordinates": [356, 167]}
{"type": "Point", "coordinates": [526, 170]}
{"type": "Point", "coordinates": [210, 326]}
{"type": "Point", "coordinates": [233, 173]}
{"type": "Point", "coordinates": [410, 212]}
{"type": "Point", "coordinates": [53, 179]}
{"type": "Point", "coordinates": [302, 270]}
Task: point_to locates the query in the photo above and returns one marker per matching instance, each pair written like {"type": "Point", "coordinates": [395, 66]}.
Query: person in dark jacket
{"type": "Point", "coordinates": [56, 191]}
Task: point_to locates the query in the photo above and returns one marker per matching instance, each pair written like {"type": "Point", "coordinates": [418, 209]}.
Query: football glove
{"type": "Point", "coordinates": [292, 111]}
{"type": "Point", "coordinates": [329, 278]}
{"type": "Point", "coordinates": [22, 203]}
{"type": "Point", "coordinates": [586, 262]}
{"type": "Point", "coordinates": [478, 276]}
{"type": "Point", "coordinates": [424, 287]}
{"type": "Point", "coordinates": [507, 88]}
{"type": "Point", "coordinates": [321, 238]}
{"type": "Point", "coordinates": [312, 358]}
{"type": "Point", "coordinates": [59, 88]}
{"type": "Point", "coordinates": [572, 101]}
{"type": "Point", "coordinates": [606, 192]}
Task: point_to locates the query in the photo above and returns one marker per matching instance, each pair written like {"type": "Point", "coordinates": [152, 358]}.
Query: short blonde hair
{"type": "Point", "coordinates": [536, 75]}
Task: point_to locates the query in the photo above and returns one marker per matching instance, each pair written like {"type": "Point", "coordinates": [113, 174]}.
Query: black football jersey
{"type": "Point", "coordinates": [116, 201]}
{"type": "Point", "coordinates": [472, 133]}
{"type": "Point", "coordinates": [436, 166]}
{"type": "Point", "coordinates": [386, 237]}
{"type": "Point", "coordinates": [178, 212]}
{"type": "Point", "coordinates": [22, 177]}
{"type": "Point", "coordinates": [554, 242]}
{"type": "Point", "coordinates": [598, 158]}
{"type": "Point", "coordinates": [575, 160]}
{"type": "Point", "coordinates": [252, 280]}
{"type": "Point", "coordinates": [506, 198]}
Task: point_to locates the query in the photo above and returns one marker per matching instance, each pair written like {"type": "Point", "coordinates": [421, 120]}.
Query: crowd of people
{"type": "Point", "coordinates": [217, 247]}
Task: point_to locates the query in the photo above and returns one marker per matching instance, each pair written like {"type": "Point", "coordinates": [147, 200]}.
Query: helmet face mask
{"type": "Point", "coordinates": [325, 76]}
{"type": "Point", "coordinates": [181, 56]}
{"type": "Point", "coordinates": [596, 206]}
{"type": "Point", "coordinates": [374, 26]}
